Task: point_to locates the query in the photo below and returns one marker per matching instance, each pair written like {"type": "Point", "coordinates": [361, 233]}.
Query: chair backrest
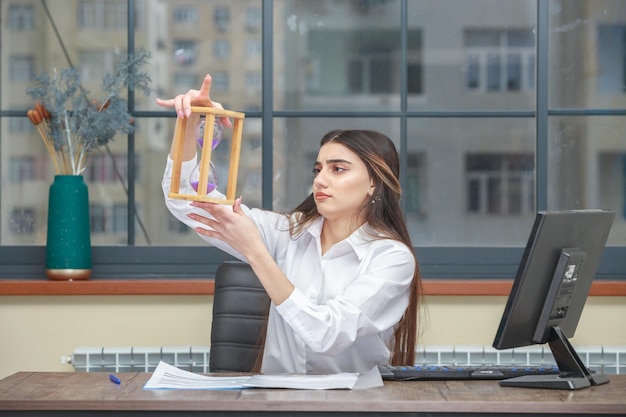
{"type": "Point", "coordinates": [240, 305]}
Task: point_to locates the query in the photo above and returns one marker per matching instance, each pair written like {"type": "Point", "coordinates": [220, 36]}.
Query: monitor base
{"type": "Point", "coordinates": [567, 382]}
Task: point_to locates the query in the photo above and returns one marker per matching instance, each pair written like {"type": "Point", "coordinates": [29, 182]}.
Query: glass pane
{"type": "Point", "coordinates": [29, 47]}
{"type": "Point", "coordinates": [191, 38]}
{"type": "Point", "coordinates": [337, 55]}
{"type": "Point", "coordinates": [472, 58]}
{"type": "Point", "coordinates": [587, 167]}
{"type": "Point", "coordinates": [589, 39]}
{"type": "Point", "coordinates": [475, 178]}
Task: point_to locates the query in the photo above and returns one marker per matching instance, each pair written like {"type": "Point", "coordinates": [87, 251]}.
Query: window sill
{"type": "Point", "coordinates": [432, 287]}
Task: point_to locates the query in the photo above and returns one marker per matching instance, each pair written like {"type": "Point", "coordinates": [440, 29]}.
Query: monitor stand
{"type": "Point", "coordinates": [573, 374]}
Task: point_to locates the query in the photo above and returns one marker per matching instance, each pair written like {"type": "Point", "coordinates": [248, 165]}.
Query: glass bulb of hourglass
{"type": "Point", "coordinates": [213, 182]}
{"type": "Point", "coordinates": [218, 131]}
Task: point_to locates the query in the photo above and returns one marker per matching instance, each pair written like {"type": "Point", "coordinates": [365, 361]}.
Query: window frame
{"type": "Point", "coordinates": [447, 263]}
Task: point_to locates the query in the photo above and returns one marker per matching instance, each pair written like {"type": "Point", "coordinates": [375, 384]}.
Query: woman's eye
{"type": "Point", "coordinates": [339, 169]}
{"type": "Point", "coordinates": [315, 171]}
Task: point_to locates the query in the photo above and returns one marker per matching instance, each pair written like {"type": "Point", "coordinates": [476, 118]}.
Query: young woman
{"type": "Point", "coordinates": [340, 268]}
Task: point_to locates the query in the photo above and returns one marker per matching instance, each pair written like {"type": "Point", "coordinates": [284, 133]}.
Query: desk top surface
{"type": "Point", "coordinates": [94, 391]}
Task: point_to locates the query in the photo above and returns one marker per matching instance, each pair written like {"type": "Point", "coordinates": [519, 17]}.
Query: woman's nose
{"type": "Point", "coordinates": [320, 179]}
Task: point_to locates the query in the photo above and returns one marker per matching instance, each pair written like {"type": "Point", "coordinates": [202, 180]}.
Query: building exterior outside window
{"type": "Point", "coordinates": [494, 115]}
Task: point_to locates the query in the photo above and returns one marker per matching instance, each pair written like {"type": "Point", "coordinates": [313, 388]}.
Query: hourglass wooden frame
{"type": "Point", "coordinates": [181, 130]}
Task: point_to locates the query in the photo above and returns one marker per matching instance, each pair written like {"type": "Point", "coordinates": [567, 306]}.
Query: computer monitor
{"type": "Point", "coordinates": [549, 292]}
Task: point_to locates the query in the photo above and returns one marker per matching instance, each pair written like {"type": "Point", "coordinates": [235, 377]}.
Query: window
{"type": "Point", "coordinates": [500, 184]}
{"type": "Point", "coordinates": [253, 48]}
{"type": "Point", "coordinates": [253, 19]}
{"type": "Point", "coordinates": [22, 221]}
{"type": "Point", "coordinates": [253, 82]}
{"type": "Point", "coordinates": [21, 68]}
{"type": "Point", "coordinates": [499, 60]}
{"type": "Point", "coordinates": [20, 125]}
{"type": "Point", "coordinates": [415, 189]}
{"type": "Point", "coordinates": [106, 168]}
{"type": "Point", "coordinates": [23, 168]}
{"type": "Point", "coordinates": [185, 15]}
{"type": "Point", "coordinates": [185, 52]}
{"type": "Point", "coordinates": [453, 84]}
{"type": "Point", "coordinates": [185, 81]}
{"type": "Point", "coordinates": [219, 82]}
{"type": "Point", "coordinates": [93, 64]}
{"type": "Point", "coordinates": [221, 17]}
{"type": "Point", "coordinates": [221, 49]}
{"type": "Point", "coordinates": [108, 219]}
{"type": "Point", "coordinates": [102, 14]}
{"type": "Point", "coordinates": [21, 17]}
{"type": "Point", "coordinates": [612, 58]}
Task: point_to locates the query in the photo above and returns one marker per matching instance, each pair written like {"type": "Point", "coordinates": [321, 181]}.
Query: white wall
{"type": "Point", "coordinates": [36, 331]}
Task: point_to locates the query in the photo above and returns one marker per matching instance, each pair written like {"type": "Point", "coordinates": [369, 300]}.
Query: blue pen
{"type": "Point", "coordinates": [115, 379]}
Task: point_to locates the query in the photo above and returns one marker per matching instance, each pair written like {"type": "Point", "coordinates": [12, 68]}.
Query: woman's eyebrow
{"type": "Point", "coordinates": [334, 161]}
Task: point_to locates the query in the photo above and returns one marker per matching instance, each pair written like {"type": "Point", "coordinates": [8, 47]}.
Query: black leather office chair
{"type": "Point", "coordinates": [240, 305]}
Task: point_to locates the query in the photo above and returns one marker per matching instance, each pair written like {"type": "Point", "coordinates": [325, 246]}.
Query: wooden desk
{"type": "Point", "coordinates": [60, 393]}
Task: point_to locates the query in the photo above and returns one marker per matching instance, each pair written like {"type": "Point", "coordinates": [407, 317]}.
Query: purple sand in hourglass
{"type": "Point", "coordinates": [209, 187]}
{"type": "Point", "coordinates": [218, 131]}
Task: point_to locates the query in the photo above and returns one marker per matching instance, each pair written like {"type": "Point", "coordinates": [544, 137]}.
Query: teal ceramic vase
{"type": "Point", "coordinates": [68, 248]}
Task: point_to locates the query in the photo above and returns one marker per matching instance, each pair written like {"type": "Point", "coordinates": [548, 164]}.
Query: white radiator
{"type": "Point", "coordinates": [602, 359]}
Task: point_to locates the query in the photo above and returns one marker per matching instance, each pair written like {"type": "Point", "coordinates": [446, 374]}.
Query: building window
{"type": "Point", "coordinates": [185, 52]}
{"type": "Point", "coordinates": [20, 125]}
{"type": "Point", "coordinates": [500, 184]}
{"type": "Point", "coordinates": [221, 49]}
{"type": "Point", "coordinates": [221, 17]}
{"type": "Point", "coordinates": [220, 82]}
{"type": "Point", "coordinates": [612, 181]}
{"type": "Point", "coordinates": [612, 58]}
{"type": "Point", "coordinates": [500, 60]}
{"type": "Point", "coordinates": [106, 168]}
{"type": "Point", "coordinates": [185, 15]}
{"type": "Point", "coordinates": [253, 19]}
{"type": "Point", "coordinates": [253, 82]}
{"type": "Point", "coordinates": [253, 48]}
{"type": "Point", "coordinates": [108, 219]}
{"type": "Point", "coordinates": [24, 168]}
{"type": "Point", "coordinates": [21, 17]}
{"type": "Point", "coordinates": [185, 81]}
{"type": "Point", "coordinates": [22, 221]}
{"type": "Point", "coordinates": [93, 64]}
{"type": "Point", "coordinates": [21, 68]}
{"type": "Point", "coordinates": [102, 14]}
{"type": "Point", "coordinates": [415, 188]}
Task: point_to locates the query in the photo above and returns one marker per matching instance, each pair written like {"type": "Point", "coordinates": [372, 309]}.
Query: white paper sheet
{"type": "Point", "coordinates": [169, 377]}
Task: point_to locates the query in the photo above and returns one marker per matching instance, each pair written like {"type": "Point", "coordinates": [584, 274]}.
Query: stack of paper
{"type": "Point", "coordinates": [169, 377]}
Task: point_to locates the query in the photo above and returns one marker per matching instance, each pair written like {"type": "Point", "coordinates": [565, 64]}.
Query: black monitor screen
{"type": "Point", "coordinates": [550, 289]}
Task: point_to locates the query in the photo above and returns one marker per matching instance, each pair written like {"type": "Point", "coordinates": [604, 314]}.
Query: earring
{"type": "Point", "coordinates": [375, 199]}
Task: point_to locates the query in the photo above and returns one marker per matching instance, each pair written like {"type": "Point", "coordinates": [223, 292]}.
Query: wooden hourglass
{"type": "Point", "coordinates": [205, 166]}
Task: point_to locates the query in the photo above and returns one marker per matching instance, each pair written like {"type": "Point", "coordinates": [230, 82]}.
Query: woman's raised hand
{"type": "Point", "coordinates": [182, 103]}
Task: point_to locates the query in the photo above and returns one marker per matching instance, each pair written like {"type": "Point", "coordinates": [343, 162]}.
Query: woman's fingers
{"type": "Point", "coordinates": [201, 98]}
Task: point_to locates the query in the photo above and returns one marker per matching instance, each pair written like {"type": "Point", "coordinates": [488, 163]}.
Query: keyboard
{"type": "Point", "coordinates": [462, 372]}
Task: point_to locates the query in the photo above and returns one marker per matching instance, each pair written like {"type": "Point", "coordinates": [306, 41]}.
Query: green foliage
{"type": "Point", "coordinates": [76, 124]}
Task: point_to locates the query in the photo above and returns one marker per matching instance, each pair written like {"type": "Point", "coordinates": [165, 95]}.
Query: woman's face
{"type": "Point", "coordinates": [342, 184]}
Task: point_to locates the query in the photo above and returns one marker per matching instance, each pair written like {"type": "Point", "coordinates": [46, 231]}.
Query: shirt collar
{"type": "Point", "coordinates": [357, 241]}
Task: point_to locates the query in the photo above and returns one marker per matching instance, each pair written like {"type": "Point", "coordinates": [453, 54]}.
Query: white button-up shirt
{"type": "Point", "coordinates": [346, 303]}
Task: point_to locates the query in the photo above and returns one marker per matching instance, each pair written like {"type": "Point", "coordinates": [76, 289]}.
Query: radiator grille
{"type": "Point", "coordinates": [602, 359]}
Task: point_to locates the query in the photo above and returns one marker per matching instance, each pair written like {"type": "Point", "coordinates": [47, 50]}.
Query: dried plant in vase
{"type": "Point", "coordinates": [73, 125]}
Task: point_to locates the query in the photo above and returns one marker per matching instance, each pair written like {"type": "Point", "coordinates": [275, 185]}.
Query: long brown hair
{"type": "Point", "coordinates": [384, 217]}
